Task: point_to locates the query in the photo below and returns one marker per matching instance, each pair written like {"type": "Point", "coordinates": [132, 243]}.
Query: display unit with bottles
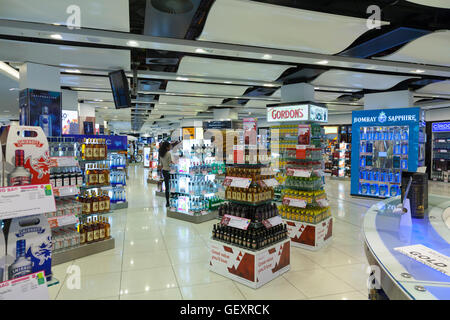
{"type": "Point", "coordinates": [440, 151]}
{"type": "Point", "coordinates": [250, 245]}
{"type": "Point", "coordinates": [385, 143]}
{"type": "Point", "coordinates": [118, 179]}
{"type": "Point", "coordinates": [153, 175]}
{"type": "Point", "coordinates": [193, 189]}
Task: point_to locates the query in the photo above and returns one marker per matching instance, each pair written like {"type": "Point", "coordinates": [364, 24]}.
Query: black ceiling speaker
{"type": "Point", "coordinates": [173, 6]}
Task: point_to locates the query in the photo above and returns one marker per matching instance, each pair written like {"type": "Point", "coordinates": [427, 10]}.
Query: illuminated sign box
{"type": "Point", "coordinates": [441, 127]}
{"type": "Point", "coordinates": [297, 111]}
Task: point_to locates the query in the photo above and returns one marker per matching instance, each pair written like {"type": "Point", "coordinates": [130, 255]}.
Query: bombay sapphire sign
{"type": "Point", "coordinates": [382, 117]}
{"type": "Point", "coordinates": [386, 116]}
{"type": "Point", "coordinates": [441, 127]}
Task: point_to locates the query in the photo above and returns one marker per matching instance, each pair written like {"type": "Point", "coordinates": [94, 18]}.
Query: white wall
{"type": "Point", "coordinates": [340, 118]}
{"type": "Point", "coordinates": [437, 114]}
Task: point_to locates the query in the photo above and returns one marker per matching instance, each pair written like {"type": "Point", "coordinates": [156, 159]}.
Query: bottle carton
{"type": "Point", "coordinates": [29, 247]}
{"type": "Point", "coordinates": [2, 254]}
{"type": "Point", "coordinates": [26, 156]}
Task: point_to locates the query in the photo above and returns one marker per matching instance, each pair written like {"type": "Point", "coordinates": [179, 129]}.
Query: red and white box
{"type": "Point", "coordinates": [251, 268]}
{"type": "Point", "coordinates": [309, 235]}
{"type": "Point", "coordinates": [27, 159]}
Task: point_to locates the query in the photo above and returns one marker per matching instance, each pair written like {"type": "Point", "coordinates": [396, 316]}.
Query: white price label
{"type": "Point", "coordinates": [271, 182]}
{"type": "Point", "coordinates": [62, 221]}
{"type": "Point", "coordinates": [272, 222]}
{"type": "Point", "coordinates": [30, 287]}
{"type": "Point", "coordinates": [238, 182]}
{"type": "Point", "coordinates": [26, 200]}
{"type": "Point", "coordinates": [427, 256]}
{"type": "Point", "coordinates": [322, 202]}
{"type": "Point", "coordinates": [300, 173]}
{"type": "Point", "coordinates": [235, 222]}
{"type": "Point", "coordinates": [294, 202]}
{"type": "Point", "coordinates": [63, 162]}
{"type": "Point", "coordinates": [66, 191]}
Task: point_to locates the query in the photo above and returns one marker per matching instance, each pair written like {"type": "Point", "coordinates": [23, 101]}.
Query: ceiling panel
{"type": "Point", "coordinates": [361, 80]}
{"type": "Point", "coordinates": [433, 48]}
{"type": "Point", "coordinates": [433, 3]}
{"type": "Point", "coordinates": [204, 88]}
{"type": "Point", "coordinates": [9, 104]}
{"type": "Point", "coordinates": [340, 107]}
{"type": "Point", "coordinates": [258, 104]}
{"type": "Point", "coordinates": [229, 21]}
{"type": "Point", "coordinates": [92, 95]}
{"type": "Point", "coordinates": [441, 87]}
{"type": "Point", "coordinates": [64, 56]}
{"type": "Point", "coordinates": [92, 82]}
{"type": "Point", "coordinates": [326, 96]}
{"type": "Point", "coordinates": [218, 68]}
{"type": "Point", "coordinates": [180, 108]}
{"type": "Point", "coordinates": [178, 100]}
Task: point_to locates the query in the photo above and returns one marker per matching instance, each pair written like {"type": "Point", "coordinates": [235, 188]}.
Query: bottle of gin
{"type": "Point", "coordinates": [22, 266]}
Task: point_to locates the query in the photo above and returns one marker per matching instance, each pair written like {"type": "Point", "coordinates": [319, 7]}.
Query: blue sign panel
{"type": "Point", "coordinates": [114, 143]}
{"type": "Point", "coordinates": [441, 127]}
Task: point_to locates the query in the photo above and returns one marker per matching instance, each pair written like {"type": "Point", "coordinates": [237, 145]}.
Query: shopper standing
{"type": "Point", "coordinates": [164, 162]}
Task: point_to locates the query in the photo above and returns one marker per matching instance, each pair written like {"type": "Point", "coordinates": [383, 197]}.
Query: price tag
{"type": "Point", "coordinates": [204, 212]}
{"type": "Point", "coordinates": [62, 221]}
{"type": "Point", "coordinates": [235, 222]}
{"type": "Point", "coordinates": [30, 287]}
{"type": "Point", "coordinates": [298, 172]}
{"type": "Point", "coordinates": [322, 202]}
{"type": "Point", "coordinates": [238, 182]}
{"type": "Point", "coordinates": [272, 222]}
{"type": "Point", "coordinates": [294, 202]}
{"type": "Point", "coordinates": [26, 200]}
{"type": "Point", "coordinates": [63, 162]}
{"type": "Point", "coordinates": [227, 182]}
{"type": "Point", "coordinates": [427, 256]}
{"type": "Point", "coordinates": [66, 191]}
{"type": "Point", "coordinates": [271, 182]}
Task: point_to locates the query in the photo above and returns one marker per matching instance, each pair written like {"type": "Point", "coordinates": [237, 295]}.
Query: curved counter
{"type": "Point", "coordinates": [400, 276]}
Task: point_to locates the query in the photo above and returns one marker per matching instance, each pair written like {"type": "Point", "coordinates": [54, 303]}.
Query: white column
{"type": "Point", "coordinates": [388, 100]}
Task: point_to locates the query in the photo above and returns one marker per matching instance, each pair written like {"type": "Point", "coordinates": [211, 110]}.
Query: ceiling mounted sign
{"type": "Point", "coordinates": [297, 111]}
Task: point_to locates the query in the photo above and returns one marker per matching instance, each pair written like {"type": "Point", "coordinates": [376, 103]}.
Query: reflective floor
{"type": "Point", "coordinates": [162, 258]}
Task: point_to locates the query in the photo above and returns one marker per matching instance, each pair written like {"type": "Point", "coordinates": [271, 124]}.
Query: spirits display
{"type": "Point", "coordinates": [19, 176]}
{"type": "Point", "coordinates": [118, 178]}
{"type": "Point", "coordinates": [94, 149]}
{"type": "Point", "coordinates": [254, 239]}
{"type": "Point", "coordinates": [256, 214]}
{"type": "Point", "coordinates": [118, 195]}
{"type": "Point", "coordinates": [93, 203]}
{"type": "Point", "coordinates": [310, 215]}
{"type": "Point", "coordinates": [66, 207]}
{"type": "Point", "coordinates": [97, 174]}
{"type": "Point", "coordinates": [441, 151]}
{"type": "Point", "coordinates": [45, 121]}
{"type": "Point", "coordinates": [94, 230]}
{"type": "Point", "coordinates": [62, 147]}
{"type": "Point", "coordinates": [67, 176]}
{"type": "Point", "coordinates": [65, 238]}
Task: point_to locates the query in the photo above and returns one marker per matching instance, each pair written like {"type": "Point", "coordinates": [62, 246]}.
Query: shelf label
{"type": "Point", "coordinates": [294, 202]}
{"type": "Point", "coordinates": [272, 222]}
{"type": "Point", "coordinates": [427, 256]}
{"type": "Point", "coordinates": [26, 200]}
{"type": "Point", "coordinates": [63, 162]}
{"type": "Point", "coordinates": [237, 182]}
{"type": "Point", "coordinates": [61, 221]}
{"type": "Point", "coordinates": [235, 222]}
{"type": "Point", "coordinates": [271, 182]}
{"type": "Point", "coordinates": [30, 287]}
{"type": "Point", "coordinates": [66, 191]}
{"type": "Point", "coordinates": [322, 202]}
{"type": "Point", "coordinates": [295, 172]}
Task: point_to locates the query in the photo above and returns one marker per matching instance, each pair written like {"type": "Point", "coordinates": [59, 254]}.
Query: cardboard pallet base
{"type": "Point", "coordinates": [251, 268]}
{"type": "Point", "coordinates": [194, 219]}
{"type": "Point", "coordinates": [310, 236]}
{"type": "Point", "coordinates": [117, 206]}
{"type": "Point", "coordinates": [82, 251]}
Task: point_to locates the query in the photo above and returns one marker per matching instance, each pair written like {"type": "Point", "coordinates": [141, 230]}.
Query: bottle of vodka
{"type": "Point", "coordinates": [45, 121]}
{"type": "Point", "coordinates": [22, 266]}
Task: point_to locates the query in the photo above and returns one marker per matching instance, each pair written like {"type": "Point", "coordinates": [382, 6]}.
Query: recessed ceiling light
{"type": "Point", "coordinates": [14, 89]}
{"type": "Point", "coordinates": [267, 56]}
{"type": "Point", "coordinates": [72, 71]}
{"type": "Point", "coordinates": [316, 88]}
{"type": "Point", "coordinates": [200, 50]}
{"type": "Point", "coordinates": [133, 43]}
{"type": "Point", "coordinates": [56, 36]}
{"type": "Point", "coordinates": [418, 71]}
{"type": "Point", "coordinates": [182, 79]}
{"type": "Point", "coordinates": [228, 82]}
{"type": "Point", "coordinates": [322, 62]}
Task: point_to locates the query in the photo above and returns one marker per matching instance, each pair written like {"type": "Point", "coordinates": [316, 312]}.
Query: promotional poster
{"type": "Point", "coordinates": [43, 109]}
{"type": "Point", "coordinates": [70, 123]}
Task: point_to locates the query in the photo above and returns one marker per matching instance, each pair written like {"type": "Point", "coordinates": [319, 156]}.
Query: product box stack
{"type": "Point", "coordinates": [304, 205]}
{"type": "Point", "coordinates": [250, 244]}
{"type": "Point", "coordinates": [28, 238]}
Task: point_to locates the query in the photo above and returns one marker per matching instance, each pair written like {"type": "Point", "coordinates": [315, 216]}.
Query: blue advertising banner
{"type": "Point", "coordinates": [384, 143]}
{"type": "Point", "coordinates": [441, 127]}
{"type": "Point", "coordinates": [41, 108]}
{"type": "Point", "coordinates": [114, 143]}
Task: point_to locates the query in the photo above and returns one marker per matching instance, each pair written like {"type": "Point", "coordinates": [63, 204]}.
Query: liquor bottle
{"type": "Point", "coordinates": [102, 150]}
{"type": "Point", "coordinates": [79, 176]}
{"type": "Point", "coordinates": [22, 266]}
{"type": "Point", "coordinates": [96, 149]}
{"type": "Point", "coordinates": [66, 178]}
{"type": "Point", "coordinates": [83, 149]}
{"type": "Point", "coordinates": [82, 231]}
{"type": "Point", "coordinates": [107, 202]}
{"type": "Point", "coordinates": [107, 229]}
{"type": "Point", "coordinates": [96, 231]}
{"type": "Point", "coordinates": [101, 202]}
{"type": "Point", "coordinates": [101, 227]}
{"type": "Point", "coordinates": [52, 177]}
{"type": "Point", "coordinates": [45, 121]}
{"type": "Point", "coordinates": [94, 202]}
{"type": "Point", "coordinates": [90, 232]}
{"type": "Point", "coordinates": [101, 174]}
{"type": "Point", "coordinates": [89, 150]}
{"type": "Point", "coordinates": [73, 177]}
{"type": "Point", "coordinates": [20, 176]}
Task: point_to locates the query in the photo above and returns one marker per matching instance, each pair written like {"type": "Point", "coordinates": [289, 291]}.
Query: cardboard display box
{"type": "Point", "coordinates": [29, 247]}
{"type": "Point", "coordinates": [251, 268]}
{"type": "Point", "coordinates": [26, 156]}
{"type": "Point", "coordinates": [308, 235]}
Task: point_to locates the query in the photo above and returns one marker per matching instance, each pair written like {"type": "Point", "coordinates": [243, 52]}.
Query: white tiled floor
{"type": "Point", "coordinates": [161, 258]}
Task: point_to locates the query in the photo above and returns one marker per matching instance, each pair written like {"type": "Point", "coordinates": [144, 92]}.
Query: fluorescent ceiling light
{"type": "Point", "coordinates": [267, 56]}
{"type": "Point", "coordinates": [9, 70]}
{"type": "Point", "coordinates": [72, 71]}
{"type": "Point", "coordinates": [56, 36]}
{"type": "Point", "coordinates": [322, 62]}
{"type": "Point", "coordinates": [200, 50]}
{"type": "Point", "coordinates": [269, 85]}
{"type": "Point", "coordinates": [133, 43]}
{"type": "Point", "coordinates": [182, 79]}
{"type": "Point", "coordinates": [228, 82]}
{"type": "Point", "coordinates": [14, 89]}
{"type": "Point", "coordinates": [418, 71]}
